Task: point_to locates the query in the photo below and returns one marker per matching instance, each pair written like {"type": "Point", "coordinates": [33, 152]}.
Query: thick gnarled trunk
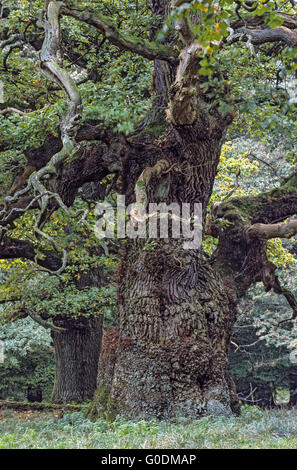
{"type": "Point", "coordinates": [170, 356]}
{"type": "Point", "coordinates": [77, 353]}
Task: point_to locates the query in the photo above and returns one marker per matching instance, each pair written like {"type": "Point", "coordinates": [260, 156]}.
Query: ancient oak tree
{"type": "Point", "coordinates": [167, 355]}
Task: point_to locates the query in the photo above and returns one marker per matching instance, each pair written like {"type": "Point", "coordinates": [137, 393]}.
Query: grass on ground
{"type": "Point", "coordinates": [254, 429]}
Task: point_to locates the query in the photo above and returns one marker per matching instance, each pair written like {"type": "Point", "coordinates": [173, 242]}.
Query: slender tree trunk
{"type": "Point", "coordinates": [77, 353]}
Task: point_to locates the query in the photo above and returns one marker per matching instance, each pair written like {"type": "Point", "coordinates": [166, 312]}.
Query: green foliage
{"type": "Point", "coordinates": [270, 309]}
{"type": "Point", "coordinates": [51, 296]}
{"type": "Point", "coordinates": [231, 166]}
{"type": "Point", "coordinates": [9, 163]}
{"type": "Point", "coordinates": [120, 100]}
{"type": "Point", "coordinates": [278, 255]}
{"type": "Point", "coordinates": [260, 358]}
{"type": "Point", "coordinates": [115, 90]}
{"type": "Point", "coordinates": [261, 88]}
{"type": "Point", "coordinates": [235, 169]}
{"type": "Point", "coordinates": [246, 168]}
{"type": "Point", "coordinates": [28, 359]}
{"type": "Point", "coordinates": [85, 288]}
{"type": "Point", "coordinates": [29, 131]}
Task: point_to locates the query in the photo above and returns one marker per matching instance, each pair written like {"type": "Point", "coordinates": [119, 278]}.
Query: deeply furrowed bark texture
{"type": "Point", "coordinates": [169, 355]}
{"type": "Point", "coordinates": [77, 352]}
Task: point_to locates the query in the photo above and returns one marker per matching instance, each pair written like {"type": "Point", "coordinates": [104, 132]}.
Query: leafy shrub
{"type": "Point", "coordinates": [28, 359]}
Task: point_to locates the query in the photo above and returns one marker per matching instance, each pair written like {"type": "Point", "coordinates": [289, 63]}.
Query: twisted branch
{"type": "Point", "coordinates": [141, 189]}
{"type": "Point", "coordinates": [267, 231]}
{"type": "Point", "coordinates": [51, 66]}
{"type": "Point", "coordinates": [139, 46]}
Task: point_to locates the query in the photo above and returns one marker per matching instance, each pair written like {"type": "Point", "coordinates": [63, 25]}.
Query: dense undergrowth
{"type": "Point", "coordinates": [254, 428]}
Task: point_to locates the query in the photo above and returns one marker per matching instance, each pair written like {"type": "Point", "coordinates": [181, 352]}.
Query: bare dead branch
{"type": "Point", "coordinates": [263, 34]}
{"type": "Point", "coordinates": [243, 346]}
{"type": "Point", "coordinates": [183, 26]}
{"type": "Point", "coordinates": [183, 109]}
{"type": "Point", "coordinates": [254, 157]}
{"type": "Point", "coordinates": [51, 65]}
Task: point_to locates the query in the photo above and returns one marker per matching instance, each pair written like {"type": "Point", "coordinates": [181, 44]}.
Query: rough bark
{"type": "Point", "coordinates": [169, 357]}
{"type": "Point", "coordinates": [124, 41]}
{"type": "Point", "coordinates": [176, 311]}
{"type": "Point", "coordinates": [12, 248]}
{"type": "Point", "coordinates": [76, 352]}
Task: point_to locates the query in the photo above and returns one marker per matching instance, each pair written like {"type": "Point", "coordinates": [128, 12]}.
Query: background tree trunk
{"type": "Point", "coordinates": [77, 353]}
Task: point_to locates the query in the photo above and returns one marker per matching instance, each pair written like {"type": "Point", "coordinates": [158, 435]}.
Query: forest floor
{"type": "Point", "coordinates": [254, 429]}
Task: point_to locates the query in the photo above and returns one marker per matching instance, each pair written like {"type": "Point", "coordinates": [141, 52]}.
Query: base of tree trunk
{"type": "Point", "coordinates": [147, 389]}
{"type": "Point", "coordinates": [182, 375]}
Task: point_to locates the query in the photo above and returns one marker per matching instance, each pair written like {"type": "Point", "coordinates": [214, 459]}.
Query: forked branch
{"type": "Point", "coordinates": [44, 323]}
{"type": "Point", "coordinates": [51, 66]}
